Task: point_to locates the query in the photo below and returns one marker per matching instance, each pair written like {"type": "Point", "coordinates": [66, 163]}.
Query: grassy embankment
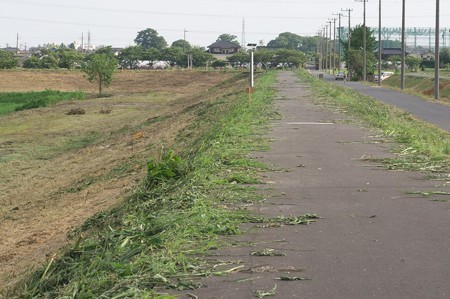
{"type": "Point", "coordinates": [419, 146]}
{"type": "Point", "coordinates": [15, 101]}
{"type": "Point", "coordinates": [156, 240]}
{"type": "Point", "coordinates": [421, 86]}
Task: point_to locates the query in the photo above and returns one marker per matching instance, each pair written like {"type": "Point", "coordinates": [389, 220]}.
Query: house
{"type": "Point", "coordinates": [223, 49]}
{"type": "Point", "coordinates": [386, 53]}
{"type": "Point", "coordinates": [427, 56]}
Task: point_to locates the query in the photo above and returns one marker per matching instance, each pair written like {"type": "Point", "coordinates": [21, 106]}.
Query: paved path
{"type": "Point", "coordinates": [374, 241]}
{"type": "Point", "coordinates": [431, 112]}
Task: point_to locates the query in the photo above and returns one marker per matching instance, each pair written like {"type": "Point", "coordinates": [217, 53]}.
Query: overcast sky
{"type": "Point", "coordinates": [116, 23]}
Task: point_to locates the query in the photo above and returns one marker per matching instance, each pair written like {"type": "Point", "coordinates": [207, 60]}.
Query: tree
{"type": "Point", "coordinates": [100, 68]}
{"type": "Point", "coordinates": [7, 60]}
{"type": "Point", "coordinates": [290, 57]}
{"type": "Point", "coordinates": [288, 40]}
{"type": "Point", "coordinates": [69, 58]}
{"type": "Point", "coordinates": [444, 56]}
{"type": "Point", "coordinates": [174, 55]}
{"type": "Point", "coordinates": [181, 43]}
{"type": "Point", "coordinates": [129, 57]}
{"type": "Point", "coordinates": [149, 38]}
{"type": "Point", "coordinates": [413, 62]}
{"type": "Point", "coordinates": [225, 37]}
{"type": "Point", "coordinates": [200, 57]}
{"type": "Point", "coordinates": [357, 45]}
{"type": "Point", "coordinates": [239, 59]}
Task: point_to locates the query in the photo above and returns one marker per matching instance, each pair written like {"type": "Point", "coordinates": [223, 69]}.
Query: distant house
{"type": "Point", "coordinates": [428, 56]}
{"type": "Point", "coordinates": [386, 53]}
{"type": "Point", "coordinates": [222, 49]}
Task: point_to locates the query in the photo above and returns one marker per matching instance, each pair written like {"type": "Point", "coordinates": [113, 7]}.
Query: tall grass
{"type": "Point", "coordinates": [154, 242]}
{"type": "Point", "coordinates": [422, 146]}
{"type": "Point", "coordinates": [15, 101]}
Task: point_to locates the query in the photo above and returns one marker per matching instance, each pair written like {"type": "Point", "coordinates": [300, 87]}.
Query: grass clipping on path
{"type": "Point", "coordinates": [421, 146]}
{"type": "Point", "coordinates": [154, 242]}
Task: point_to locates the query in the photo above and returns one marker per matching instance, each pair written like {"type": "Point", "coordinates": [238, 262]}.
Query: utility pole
{"type": "Point", "coordinates": [339, 42]}
{"type": "Point", "coordinates": [349, 41]}
{"type": "Point", "coordinates": [436, 60]}
{"type": "Point", "coordinates": [379, 43]}
{"type": "Point", "coordinates": [17, 44]}
{"type": "Point", "coordinates": [326, 47]}
{"type": "Point", "coordinates": [364, 41]}
{"type": "Point", "coordinates": [402, 74]}
{"type": "Point", "coordinates": [331, 50]}
{"type": "Point", "coordinates": [319, 49]}
{"type": "Point", "coordinates": [333, 63]}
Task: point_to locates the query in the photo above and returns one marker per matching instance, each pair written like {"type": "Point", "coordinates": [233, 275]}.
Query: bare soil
{"type": "Point", "coordinates": [57, 170]}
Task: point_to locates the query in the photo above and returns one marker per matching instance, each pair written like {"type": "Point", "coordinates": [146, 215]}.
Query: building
{"type": "Point", "coordinates": [223, 49]}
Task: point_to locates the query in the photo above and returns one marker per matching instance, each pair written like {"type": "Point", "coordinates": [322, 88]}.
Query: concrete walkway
{"type": "Point", "coordinates": [374, 240]}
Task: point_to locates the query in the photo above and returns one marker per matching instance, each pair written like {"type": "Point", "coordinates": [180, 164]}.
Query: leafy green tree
{"type": "Point", "coordinates": [263, 56]}
{"type": "Point", "coordinates": [7, 60]}
{"type": "Point", "coordinates": [200, 57]}
{"type": "Point", "coordinates": [105, 50]}
{"type": "Point", "coordinates": [239, 59]}
{"type": "Point", "coordinates": [151, 54]}
{"type": "Point", "coordinates": [175, 55]}
{"type": "Point", "coordinates": [413, 62]}
{"type": "Point", "coordinates": [69, 58]}
{"type": "Point", "coordinates": [100, 69]}
{"type": "Point", "coordinates": [129, 57]}
{"type": "Point", "coordinates": [225, 37]}
{"type": "Point", "coordinates": [32, 63]}
{"type": "Point", "coordinates": [292, 41]}
{"type": "Point", "coordinates": [444, 56]}
{"type": "Point", "coordinates": [149, 38]}
{"type": "Point", "coordinates": [181, 43]}
{"type": "Point", "coordinates": [291, 57]}
{"type": "Point", "coordinates": [49, 62]}
{"type": "Point", "coordinates": [357, 45]}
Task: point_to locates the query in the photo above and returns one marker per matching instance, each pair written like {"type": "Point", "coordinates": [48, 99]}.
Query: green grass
{"type": "Point", "coordinates": [422, 86]}
{"type": "Point", "coordinates": [156, 240]}
{"type": "Point", "coordinates": [419, 146]}
{"type": "Point", "coordinates": [16, 101]}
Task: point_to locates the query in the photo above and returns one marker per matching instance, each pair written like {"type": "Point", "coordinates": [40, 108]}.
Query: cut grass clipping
{"type": "Point", "coordinates": [17, 101]}
{"type": "Point", "coordinates": [422, 146]}
{"type": "Point", "coordinates": [154, 242]}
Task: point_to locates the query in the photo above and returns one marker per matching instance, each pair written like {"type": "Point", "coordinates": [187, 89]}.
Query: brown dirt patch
{"type": "Point", "coordinates": [56, 170]}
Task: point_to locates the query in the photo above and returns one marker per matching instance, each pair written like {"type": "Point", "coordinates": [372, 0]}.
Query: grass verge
{"type": "Point", "coordinates": [420, 146]}
{"type": "Point", "coordinates": [16, 101]}
{"type": "Point", "coordinates": [189, 198]}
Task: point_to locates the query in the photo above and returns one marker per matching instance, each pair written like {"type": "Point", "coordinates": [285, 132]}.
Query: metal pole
{"type": "Point", "coordinates": [349, 42]}
{"type": "Point", "coordinates": [436, 60]}
{"type": "Point", "coordinates": [339, 40]}
{"type": "Point", "coordinates": [331, 50]}
{"type": "Point", "coordinates": [402, 74]}
{"type": "Point", "coordinates": [326, 47]}
{"type": "Point", "coordinates": [379, 43]}
{"type": "Point", "coordinates": [252, 80]}
{"type": "Point", "coordinates": [364, 41]}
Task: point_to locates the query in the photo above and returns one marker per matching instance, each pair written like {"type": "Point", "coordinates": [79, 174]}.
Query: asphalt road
{"type": "Point", "coordinates": [375, 237]}
{"type": "Point", "coordinates": [434, 113]}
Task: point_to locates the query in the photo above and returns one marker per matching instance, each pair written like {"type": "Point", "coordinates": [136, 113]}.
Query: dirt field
{"type": "Point", "coordinates": [56, 170]}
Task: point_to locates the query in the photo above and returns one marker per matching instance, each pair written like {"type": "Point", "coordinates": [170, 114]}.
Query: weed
{"type": "Point", "coordinates": [420, 146]}
{"type": "Point", "coordinates": [262, 294]}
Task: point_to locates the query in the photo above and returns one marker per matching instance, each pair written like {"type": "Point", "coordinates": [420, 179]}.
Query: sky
{"type": "Point", "coordinates": [116, 23]}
